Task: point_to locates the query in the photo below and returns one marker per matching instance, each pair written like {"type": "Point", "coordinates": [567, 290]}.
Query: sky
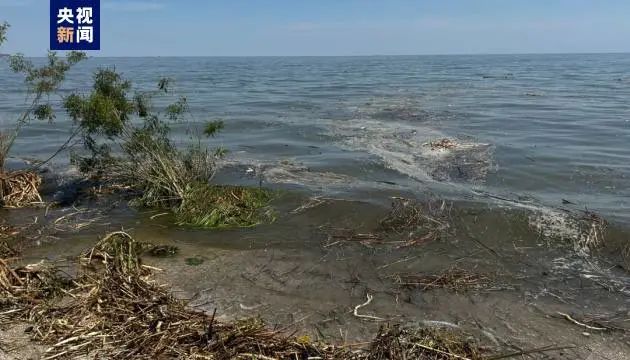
{"type": "Point", "coordinates": [336, 27]}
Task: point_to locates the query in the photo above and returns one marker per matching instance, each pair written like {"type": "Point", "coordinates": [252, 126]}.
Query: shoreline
{"type": "Point", "coordinates": [300, 276]}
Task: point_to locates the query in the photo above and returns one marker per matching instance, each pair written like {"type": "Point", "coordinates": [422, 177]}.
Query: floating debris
{"type": "Point", "coordinates": [600, 322]}
{"type": "Point", "coordinates": [585, 231]}
{"type": "Point", "coordinates": [337, 236]}
{"type": "Point", "coordinates": [454, 279]}
{"type": "Point", "coordinates": [405, 147]}
{"type": "Point", "coordinates": [300, 175]}
{"type": "Point", "coordinates": [408, 223]}
{"type": "Point", "coordinates": [78, 219]}
{"type": "Point", "coordinates": [443, 144]}
{"type": "Point", "coordinates": [420, 222]}
{"type": "Point", "coordinates": [311, 203]}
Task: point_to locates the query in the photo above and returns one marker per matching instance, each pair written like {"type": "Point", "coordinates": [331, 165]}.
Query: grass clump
{"type": "Point", "coordinates": [224, 206]}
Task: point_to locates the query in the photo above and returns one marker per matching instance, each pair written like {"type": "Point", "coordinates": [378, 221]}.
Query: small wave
{"type": "Point", "coordinates": [300, 175]}
{"type": "Point", "coordinates": [285, 172]}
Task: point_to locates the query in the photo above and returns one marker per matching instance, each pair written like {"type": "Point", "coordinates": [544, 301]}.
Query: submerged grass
{"type": "Point", "coordinates": [114, 309]}
{"type": "Point", "coordinates": [217, 206]}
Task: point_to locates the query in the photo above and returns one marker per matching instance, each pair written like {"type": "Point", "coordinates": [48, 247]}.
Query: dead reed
{"type": "Point", "coordinates": [396, 342]}
{"type": "Point", "coordinates": [443, 144]}
{"type": "Point", "coordinates": [115, 310]}
{"type": "Point", "coordinates": [453, 279]}
{"type": "Point", "coordinates": [345, 235]}
{"type": "Point", "coordinates": [592, 229]}
{"type": "Point", "coordinates": [19, 188]}
{"type": "Point", "coordinates": [408, 223]}
{"type": "Point", "coordinates": [420, 222]}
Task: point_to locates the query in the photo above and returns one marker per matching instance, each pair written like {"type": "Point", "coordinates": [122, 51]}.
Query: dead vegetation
{"type": "Point", "coordinates": [8, 234]}
{"type": "Point", "coordinates": [584, 230]}
{"type": "Point", "coordinates": [408, 223]}
{"type": "Point", "coordinates": [338, 236]}
{"type": "Point", "coordinates": [453, 279]}
{"type": "Point", "coordinates": [443, 144]}
{"type": "Point", "coordinates": [592, 229]}
{"type": "Point", "coordinates": [19, 188]}
{"type": "Point", "coordinates": [113, 308]}
{"type": "Point", "coordinates": [421, 222]}
{"type": "Point", "coordinates": [424, 343]}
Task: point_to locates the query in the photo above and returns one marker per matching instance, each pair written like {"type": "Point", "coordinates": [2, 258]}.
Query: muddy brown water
{"type": "Point", "coordinates": [300, 281]}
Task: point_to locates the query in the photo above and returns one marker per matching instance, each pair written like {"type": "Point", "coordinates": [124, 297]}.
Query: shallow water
{"type": "Point", "coordinates": [298, 279]}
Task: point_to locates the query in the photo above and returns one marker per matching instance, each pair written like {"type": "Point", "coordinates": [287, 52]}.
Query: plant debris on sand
{"type": "Point", "coordinates": [422, 221]}
{"type": "Point", "coordinates": [114, 309]}
{"type": "Point", "coordinates": [423, 343]}
{"type": "Point", "coordinates": [19, 188]}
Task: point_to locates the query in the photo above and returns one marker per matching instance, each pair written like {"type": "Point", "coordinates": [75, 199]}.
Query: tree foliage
{"type": "Point", "coordinates": [41, 81]}
{"type": "Point", "coordinates": [129, 140]}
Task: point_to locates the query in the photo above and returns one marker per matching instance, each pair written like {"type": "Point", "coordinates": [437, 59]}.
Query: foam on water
{"type": "Point", "coordinates": [400, 135]}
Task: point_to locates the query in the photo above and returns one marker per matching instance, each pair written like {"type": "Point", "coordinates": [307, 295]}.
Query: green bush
{"type": "Point", "coordinates": [162, 174]}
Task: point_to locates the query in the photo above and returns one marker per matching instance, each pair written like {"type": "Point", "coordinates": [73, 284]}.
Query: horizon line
{"type": "Point", "coordinates": [331, 56]}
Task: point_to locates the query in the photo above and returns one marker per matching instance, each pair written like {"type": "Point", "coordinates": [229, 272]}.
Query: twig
{"type": "Point", "coordinates": [532, 351]}
{"type": "Point", "coordinates": [442, 352]}
{"type": "Point", "coordinates": [356, 310]}
{"type": "Point", "coordinates": [158, 215]}
{"type": "Point", "coordinates": [568, 317]}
